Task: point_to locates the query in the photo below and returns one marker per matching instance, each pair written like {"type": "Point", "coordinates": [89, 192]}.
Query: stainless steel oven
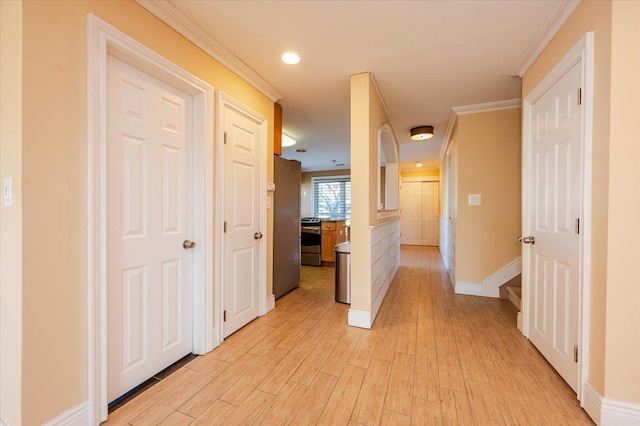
{"type": "Point", "coordinates": [311, 241]}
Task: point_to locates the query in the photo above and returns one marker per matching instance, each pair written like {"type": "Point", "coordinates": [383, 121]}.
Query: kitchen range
{"type": "Point", "coordinates": [310, 241]}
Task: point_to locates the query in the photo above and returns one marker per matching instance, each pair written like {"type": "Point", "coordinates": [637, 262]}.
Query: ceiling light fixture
{"type": "Point", "coordinates": [421, 133]}
{"type": "Point", "coordinates": [287, 141]}
{"type": "Point", "coordinates": [418, 163]}
{"type": "Point", "coordinates": [290, 58]}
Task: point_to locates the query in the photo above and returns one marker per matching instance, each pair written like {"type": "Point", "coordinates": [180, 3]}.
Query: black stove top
{"type": "Point", "coordinates": [310, 221]}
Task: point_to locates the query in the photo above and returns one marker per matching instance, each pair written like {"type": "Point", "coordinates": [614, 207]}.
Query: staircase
{"type": "Point", "coordinates": [512, 290]}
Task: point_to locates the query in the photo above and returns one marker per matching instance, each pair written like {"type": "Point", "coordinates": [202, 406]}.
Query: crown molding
{"type": "Point", "coordinates": [448, 133]}
{"type": "Point", "coordinates": [555, 21]}
{"type": "Point", "coordinates": [176, 19]}
{"type": "Point", "coordinates": [488, 107]}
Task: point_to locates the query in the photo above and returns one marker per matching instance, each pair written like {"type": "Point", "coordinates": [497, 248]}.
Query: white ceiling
{"type": "Point", "coordinates": [427, 57]}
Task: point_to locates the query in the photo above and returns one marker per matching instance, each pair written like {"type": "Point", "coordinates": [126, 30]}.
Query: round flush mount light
{"type": "Point", "coordinates": [287, 141]}
{"type": "Point", "coordinates": [421, 133]}
{"type": "Point", "coordinates": [290, 58]}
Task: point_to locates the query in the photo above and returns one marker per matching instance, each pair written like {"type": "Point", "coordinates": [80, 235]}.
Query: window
{"type": "Point", "coordinates": [332, 197]}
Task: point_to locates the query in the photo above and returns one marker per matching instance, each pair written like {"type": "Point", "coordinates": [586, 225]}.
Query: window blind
{"type": "Point", "coordinates": [332, 197]}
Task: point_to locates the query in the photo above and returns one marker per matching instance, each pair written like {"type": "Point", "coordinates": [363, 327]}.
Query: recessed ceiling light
{"type": "Point", "coordinates": [290, 58]}
{"type": "Point", "coordinates": [287, 140]}
{"type": "Point", "coordinates": [418, 163]}
{"type": "Point", "coordinates": [301, 150]}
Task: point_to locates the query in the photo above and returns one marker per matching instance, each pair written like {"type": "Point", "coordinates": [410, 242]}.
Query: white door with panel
{"type": "Point", "coordinates": [553, 219]}
{"type": "Point", "coordinates": [243, 235]}
{"type": "Point", "coordinates": [419, 213]}
{"type": "Point", "coordinates": [149, 272]}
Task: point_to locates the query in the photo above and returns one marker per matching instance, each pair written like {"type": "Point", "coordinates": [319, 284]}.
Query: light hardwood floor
{"type": "Point", "coordinates": [432, 357]}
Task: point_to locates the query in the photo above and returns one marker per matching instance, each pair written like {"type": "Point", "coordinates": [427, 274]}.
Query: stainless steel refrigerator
{"type": "Point", "coordinates": [286, 226]}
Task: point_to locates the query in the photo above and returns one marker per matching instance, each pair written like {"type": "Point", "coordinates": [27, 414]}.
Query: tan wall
{"type": "Point", "coordinates": [590, 16]}
{"type": "Point", "coordinates": [11, 218]}
{"type": "Point", "coordinates": [622, 378]}
{"type": "Point", "coordinates": [55, 197]}
{"type": "Point", "coordinates": [489, 159]}
{"type": "Point", "coordinates": [361, 184]}
{"type": "Point", "coordinates": [306, 197]}
{"type": "Point", "coordinates": [420, 173]}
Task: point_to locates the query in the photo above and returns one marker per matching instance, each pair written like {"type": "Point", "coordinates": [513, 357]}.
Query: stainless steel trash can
{"type": "Point", "coordinates": [343, 272]}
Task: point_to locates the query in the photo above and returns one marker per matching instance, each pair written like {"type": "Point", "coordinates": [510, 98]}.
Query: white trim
{"type": "Point", "coordinates": [358, 318]}
{"type": "Point", "coordinates": [448, 133]}
{"type": "Point", "coordinates": [104, 40]}
{"type": "Point", "coordinates": [490, 287]}
{"type": "Point", "coordinates": [488, 107]}
{"type": "Point", "coordinates": [421, 179]}
{"type": "Point", "coordinates": [80, 415]}
{"type": "Point", "coordinates": [224, 101]}
{"type": "Point", "coordinates": [271, 303]}
{"type": "Point", "coordinates": [592, 402]}
{"type": "Point", "coordinates": [619, 413]}
{"type": "Point", "coordinates": [557, 18]}
{"type": "Point", "coordinates": [176, 19]}
{"type": "Point", "coordinates": [582, 51]}
{"type": "Point", "coordinates": [2, 423]}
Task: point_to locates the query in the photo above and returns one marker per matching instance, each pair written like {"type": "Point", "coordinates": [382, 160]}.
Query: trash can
{"type": "Point", "coordinates": [343, 272]}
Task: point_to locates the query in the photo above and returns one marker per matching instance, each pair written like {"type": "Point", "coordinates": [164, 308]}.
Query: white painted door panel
{"type": "Point", "coordinates": [554, 258]}
{"type": "Point", "coordinates": [419, 213]}
{"type": "Point", "coordinates": [242, 216]}
{"type": "Point", "coordinates": [149, 289]}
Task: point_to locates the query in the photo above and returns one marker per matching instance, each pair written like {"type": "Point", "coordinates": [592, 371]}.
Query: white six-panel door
{"type": "Point", "coordinates": [243, 236]}
{"type": "Point", "coordinates": [419, 213]}
{"type": "Point", "coordinates": [555, 207]}
{"type": "Point", "coordinates": [149, 288]}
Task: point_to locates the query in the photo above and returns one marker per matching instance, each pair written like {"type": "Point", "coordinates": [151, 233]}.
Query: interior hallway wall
{"type": "Point", "coordinates": [54, 370]}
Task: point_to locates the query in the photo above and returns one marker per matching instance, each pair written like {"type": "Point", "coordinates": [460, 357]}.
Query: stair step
{"type": "Point", "coordinates": [515, 294]}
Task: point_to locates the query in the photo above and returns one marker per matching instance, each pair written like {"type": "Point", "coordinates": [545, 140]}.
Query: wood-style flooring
{"type": "Point", "coordinates": [432, 357]}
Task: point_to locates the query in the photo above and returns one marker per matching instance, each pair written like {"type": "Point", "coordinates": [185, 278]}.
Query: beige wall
{"type": "Point", "coordinates": [420, 173]}
{"type": "Point", "coordinates": [622, 369]}
{"type": "Point", "coordinates": [55, 197]}
{"type": "Point", "coordinates": [590, 16]}
{"type": "Point", "coordinates": [306, 196]}
{"type": "Point", "coordinates": [367, 116]}
{"type": "Point", "coordinates": [11, 218]}
{"type": "Point", "coordinates": [489, 159]}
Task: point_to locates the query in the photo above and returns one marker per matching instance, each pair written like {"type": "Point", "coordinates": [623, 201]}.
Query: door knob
{"type": "Point", "coordinates": [188, 244]}
{"type": "Point", "coordinates": [527, 240]}
{"type": "Point", "coordinates": [257, 235]}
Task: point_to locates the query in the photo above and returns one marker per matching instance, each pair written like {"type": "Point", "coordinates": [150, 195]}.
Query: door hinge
{"type": "Point", "coordinates": [224, 318]}
{"type": "Point", "coordinates": [225, 138]}
{"type": "Point", "coordinates": [577, 225]}
{"type": "Point", "coordinates": [579, 96]}
{"type": "Point", "coordinates": [575, 353]}
{"type": "Point", "coordinates": [225, 227]}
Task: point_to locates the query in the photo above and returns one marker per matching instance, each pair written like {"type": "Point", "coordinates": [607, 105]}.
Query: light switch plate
{"type": "Point", "coordinates": [271, 186]}
{"type": "Point", "coordinates": [475, 199]}
{"type": "Point", "coordinates": [8, 192]}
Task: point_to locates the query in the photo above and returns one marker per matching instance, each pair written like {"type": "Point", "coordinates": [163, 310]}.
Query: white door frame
{"type": "Point", "coordinates": [582, 52]}
{"type": "Point", "coordinates": [223, 101]}
{"type": "Point", "coordinates": [104, 40]}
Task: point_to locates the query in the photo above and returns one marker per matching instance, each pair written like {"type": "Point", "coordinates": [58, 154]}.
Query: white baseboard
{"type": "Point", "coordinates": [359, 318]}
{"type": "Point", "coordinates": [271, 303]}
{"type": "Point", "coordinates": [80, 415]}
{"type": "Point", "coordinates": [519, 321]}
{"type": "Point", "coordinates": [619, 413]}
{"type": "Point", "coordinates": [490, 287]}
{"type": "Point", "coordinates": [592, 402]}
{"type": "Point", "coordinates": [609, 412]}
